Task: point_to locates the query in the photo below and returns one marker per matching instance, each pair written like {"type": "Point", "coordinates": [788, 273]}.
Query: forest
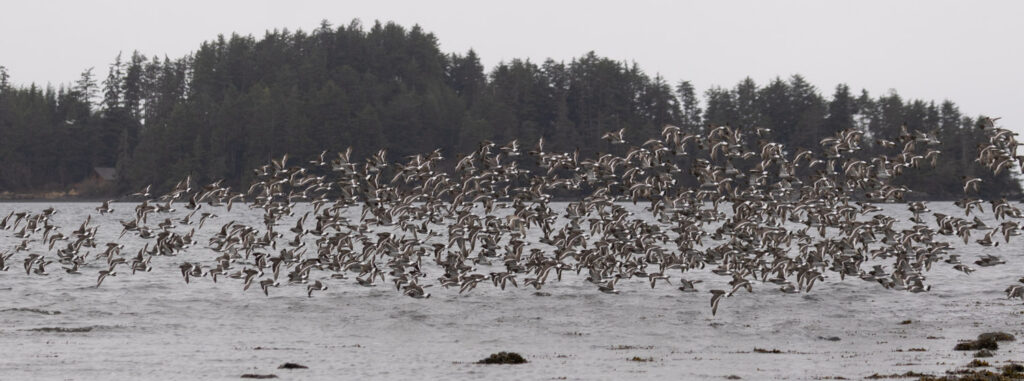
{"type": "Point", "coordinates": [238, 101]}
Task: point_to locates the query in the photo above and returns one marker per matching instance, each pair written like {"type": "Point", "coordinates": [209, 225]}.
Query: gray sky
{"type": "Point", "coordinates": [970, 52]}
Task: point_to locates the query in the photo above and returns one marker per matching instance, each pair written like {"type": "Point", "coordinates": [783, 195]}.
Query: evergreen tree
{"type": "Point", "coordinates": [4, 78]}
{"type": "Point", "coordinates": [86, 88]}
{"type": "Point", "coordinates": [842, 109]}
{"type": "Point", "coordinates": [747, 114]}
{"type": "Point", "coordinates": [689, 106]}
{"type": "Point", "coordinates": [721, 107]}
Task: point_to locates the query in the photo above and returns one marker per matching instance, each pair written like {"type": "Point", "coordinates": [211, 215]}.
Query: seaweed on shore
{"type": "Point", "coordinates": [622, 347]}
{"type": "Point", "coordinates": [1008, 372]}
{"type": "Point", "coordinates": [983, 353]}
{"type": "Point", "coordinates": [908, 374]}
{"type": "Point", "coordinates": [977, 363]}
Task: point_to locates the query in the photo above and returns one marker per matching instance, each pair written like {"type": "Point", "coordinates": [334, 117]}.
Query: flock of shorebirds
{"type": "Point", "coordinates": [754, 213]}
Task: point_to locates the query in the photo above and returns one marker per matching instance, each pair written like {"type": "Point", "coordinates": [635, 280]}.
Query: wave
{"type": "Point", "coordinates": [88, 328]}
{"type": "Point", "coordinates": [33, 310]}
{"type": "Point", "coordinates": [61, 329]}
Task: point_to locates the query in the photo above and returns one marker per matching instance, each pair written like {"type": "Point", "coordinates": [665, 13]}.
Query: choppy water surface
{"type": "Point", "coordinates": [153, 325]}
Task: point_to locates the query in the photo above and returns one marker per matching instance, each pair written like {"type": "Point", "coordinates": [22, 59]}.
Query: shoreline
{"type": "Point", "coordinates": [66, 197]}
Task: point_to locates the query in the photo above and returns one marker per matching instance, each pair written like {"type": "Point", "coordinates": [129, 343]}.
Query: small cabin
{"type": "Point", "coordinates": [104, 174]}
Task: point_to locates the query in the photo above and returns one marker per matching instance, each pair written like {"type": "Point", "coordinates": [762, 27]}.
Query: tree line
{"type": "Point", "coordinates": [239, 101]}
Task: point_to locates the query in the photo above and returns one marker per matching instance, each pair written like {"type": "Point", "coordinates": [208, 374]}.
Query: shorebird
{"type": "Point", "coordinates": [1015, 291]}
{"type": "Point", "coordinates": [789, 288]}
{"type": "Point", "coordinates": [716, 296]}
{"type": "Point", "coordinates": [4, 256]}
{"type": "Point", "coordinates": [687, 285]}
{"type": "Point", "coordinates": [41, 267]}
{"type": "Point", "coordinates": [609, 286]}
{"type": "Point", "coordinates": [189, 270]}
{"type": "Point", "coordinates": [615, 137]}
{"type": "Point", "coordinates": [989, 260]}
{"type": "Point", "coordinates": [103, 275]}
{"type": "Point", "coordinates": [654, 277]}
{"type": "Point", "coordinates": [143, 193]}
{"type": "Point", "coordinates": [266, 284]}
{"type": "Point", "coordinates": [73, 269]}
{"type": "Point", "coordinates": [316, 286]}
{"type": "Point", "coordinates": [715, 201]}
{"type": "Point", "coordinates": [31, 261]}
{"type": "Point", "coordinates": [249, 275]}
{"type": "Point", "coordinates": [416, 291]}
{"type": "Point", "coordinates": [105, 207]}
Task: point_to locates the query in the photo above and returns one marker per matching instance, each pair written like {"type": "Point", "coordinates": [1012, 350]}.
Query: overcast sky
{"type": "Point", "coordinates": [971, 52]}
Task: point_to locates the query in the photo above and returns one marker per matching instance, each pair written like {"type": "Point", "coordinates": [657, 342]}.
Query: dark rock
{"type": "Point", "coordinates": [291, 365]}
{"type": "Point", "coordinates": [503, 358]}
{"type": "Point", "coordinates": [996, 336]}
{"type": "Point", "coordinates": [975, 345]}
{"type": "Point", "coordinates": [259, 376]}
{"type": "Point", "coordinates": [985, 341]}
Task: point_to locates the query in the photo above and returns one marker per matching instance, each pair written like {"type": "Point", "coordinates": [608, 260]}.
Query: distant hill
{"type": "Point", "coordinates": [238, 101]}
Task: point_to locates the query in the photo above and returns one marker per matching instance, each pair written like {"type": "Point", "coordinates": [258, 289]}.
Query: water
{"type": "Point", "coordinates": [152, 325]}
